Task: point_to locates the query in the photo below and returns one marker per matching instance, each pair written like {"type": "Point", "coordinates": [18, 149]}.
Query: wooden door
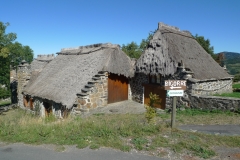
{"type": "Point", "coordinates": [117, 88]}
{"type": "Point", "coordinates": [25, 101]}
{"type": "Point", "coordinates": [155, 89]}
{"type": "Point", "coordinates": [31, 103]}
{"type": "Point", "coordinates": [48, 108]}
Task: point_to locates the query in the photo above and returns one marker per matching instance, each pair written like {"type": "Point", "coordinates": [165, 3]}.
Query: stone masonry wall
{"type": "Point", "coordinates": [214, 102]}
{"type": "Point", "coordinates": [23, 77]}
{"type": "Point", "coordinates": [39, 109]}
{"type": "Point", "coordinates": [210, 87]}
{"type": "Point", "coordinates": [137, 88]}
{"type": "Point", "coordinates": [97, 96]}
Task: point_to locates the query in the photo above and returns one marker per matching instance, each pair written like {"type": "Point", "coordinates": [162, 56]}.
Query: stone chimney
{"type": "Point", "coordinates": [23, 76]}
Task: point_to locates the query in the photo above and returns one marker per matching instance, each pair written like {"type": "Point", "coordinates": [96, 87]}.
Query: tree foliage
{"type": "Point", "coordinates": [205, 43]}
{"type": "Point", "coordinates": [11, 53]}
{"type": "Point", "coordinates": [133, 50]}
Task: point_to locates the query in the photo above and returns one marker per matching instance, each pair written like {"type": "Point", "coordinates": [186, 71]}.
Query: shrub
{"type": "Point", "coordinates": [150, 109]}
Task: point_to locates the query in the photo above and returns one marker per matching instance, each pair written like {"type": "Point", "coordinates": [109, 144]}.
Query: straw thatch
{"type": "Point", "coordinates": [41, 61]}
{"type": "Point", "coordinates": [170, 48]}
{"type": "Point", "coordinates": [71, 70]}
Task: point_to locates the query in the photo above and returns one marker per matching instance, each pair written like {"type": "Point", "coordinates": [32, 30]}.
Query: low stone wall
{"type": "Point", "coordinates": [215, 102]}
{"type": "Point", "coordinates": [210, 87]}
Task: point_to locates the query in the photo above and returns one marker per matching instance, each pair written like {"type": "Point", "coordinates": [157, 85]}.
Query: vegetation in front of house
{"type": "Point", "coordinates": [203, 116]}
{"type": "Point", "coordinates": [150, 109]}
{"type": "Point", "coordinates": [124, 132]}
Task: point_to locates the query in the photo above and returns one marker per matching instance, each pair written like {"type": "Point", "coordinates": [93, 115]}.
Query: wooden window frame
{"type": "Point", "coordinates": [150, 80]}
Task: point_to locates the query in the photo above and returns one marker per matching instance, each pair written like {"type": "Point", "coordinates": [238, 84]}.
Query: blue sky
{"type": "Point", "coordinates": [49, 25]}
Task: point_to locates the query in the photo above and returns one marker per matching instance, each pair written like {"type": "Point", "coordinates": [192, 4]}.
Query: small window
{"type": "Point", "coordinates": [152, 77]}
{"type": "Point", "coordinates": [155, 79]}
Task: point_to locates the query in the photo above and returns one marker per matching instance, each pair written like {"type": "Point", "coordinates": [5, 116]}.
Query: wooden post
{"type": "Point", "coordinates": [173, 118]}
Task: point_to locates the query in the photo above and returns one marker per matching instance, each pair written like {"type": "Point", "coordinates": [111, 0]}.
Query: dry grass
{"type": "Point", "coordinates": [124, 132]}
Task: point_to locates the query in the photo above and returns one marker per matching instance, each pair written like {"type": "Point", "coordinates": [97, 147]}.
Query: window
{"type": "Point", "coordinates": [155, 79]}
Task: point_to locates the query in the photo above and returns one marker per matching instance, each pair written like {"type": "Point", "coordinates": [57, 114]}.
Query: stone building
{"type": "Point", "coordinates": [174, 54]}
{"type": "Point", "coordinates": [26, 72]}
{"type": "Point", "coordinates": [86, 77]}
{"type": "Point", "coordinates": [80, 79]}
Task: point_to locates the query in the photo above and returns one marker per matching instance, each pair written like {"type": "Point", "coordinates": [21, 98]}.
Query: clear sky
{"type": "Point", "coordinates": [49, 25]}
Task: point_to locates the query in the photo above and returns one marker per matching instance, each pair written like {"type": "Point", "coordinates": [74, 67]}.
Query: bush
{"type": "Point", "coordinates": [150, 109]}
{"type": "Point", "coordinates": [4, 93]}
{"type": "Point", "coordinates": [236, 78]}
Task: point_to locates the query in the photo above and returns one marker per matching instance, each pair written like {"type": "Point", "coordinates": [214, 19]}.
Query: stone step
{"type": "Point", "coordinates": [99, 75]}
{"type": "Point", "coordinates": [89, 85]}
{"type": "Point", "coordinates": [92, 82]}
{"type": "Point", "coordinates": [84, 90]}
{"type": "Point", "coordinates": [82, 94]}
{"type": "Point", "coordinates": [96, 78]}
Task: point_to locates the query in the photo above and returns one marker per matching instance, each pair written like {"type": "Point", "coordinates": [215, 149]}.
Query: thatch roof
{"type": "Point", "coordinates": [171, 47]}
{"type": "Point", "coordinates": [41, 61]}
{"type": "Point", "coordinates": [71, 70]}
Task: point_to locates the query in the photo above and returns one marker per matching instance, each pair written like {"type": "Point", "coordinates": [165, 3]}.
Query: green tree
{"type": "Point", "coordinates": [19, 52]}
{"type": "Point", "coordinates": [205, 43]}
{"type": "Point", "coordinates": [10, 51]}
{"type": "Point", "coordinates": [133, 50]}
{"type": "Point", "coordinates": [144, 43]}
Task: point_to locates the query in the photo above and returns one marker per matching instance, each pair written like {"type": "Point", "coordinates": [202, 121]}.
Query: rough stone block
{"type": "Point", "coordinates": [81, 101]}
{"type": "Point", "coordinates": [88, 105]}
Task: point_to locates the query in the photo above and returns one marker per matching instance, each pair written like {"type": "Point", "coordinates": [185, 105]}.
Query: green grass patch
{"type": "Point", "coordinates": [4, 103]}
{"type": "Point", "coordinates": [193, 112]}
{"type": "Point", "coordinates": [233, 94]}
{"type": "Point", "coordinates": [236, 85]}
{"type": "Point", "coordinates": [123, 132]}
{"type": "Point", "coordinates": [210, 117]}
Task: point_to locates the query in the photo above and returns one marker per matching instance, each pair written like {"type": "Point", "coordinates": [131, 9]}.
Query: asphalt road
{"type": "Point", "coordinates": [25, 152]}
{"type": "Point", "coordinates": [229, 130]}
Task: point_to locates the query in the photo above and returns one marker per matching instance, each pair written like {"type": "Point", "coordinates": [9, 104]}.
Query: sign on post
{"type": "Point", "coordinates": [175, 85]}
{"type": "Point", "coordinates": [174, 88]}
{"type": "Point", "coordinates": [174, 93]}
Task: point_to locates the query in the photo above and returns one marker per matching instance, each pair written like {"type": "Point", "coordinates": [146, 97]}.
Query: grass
{"type": "Point", "coordinates": [233, 94]}
{"type": "Point", "coordinates": [236, 85]}
{"type": "Point", "coordinates": [3, 103]}
{"type": "Point", "coordinates": [124, 132]}
{"type": "Point", "coordinates": [199, 117]}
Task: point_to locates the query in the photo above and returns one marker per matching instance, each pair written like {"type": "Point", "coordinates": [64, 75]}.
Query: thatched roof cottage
{"type": "Point", "coordinates": [175, 54]}
{"type": "Point", "coordinates": [25, 71]}
{"type": "Point", "coordinates": [80, 79]}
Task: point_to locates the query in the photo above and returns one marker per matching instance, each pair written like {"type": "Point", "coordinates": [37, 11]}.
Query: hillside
{"type": "Point", "coordinates": [232, 62]}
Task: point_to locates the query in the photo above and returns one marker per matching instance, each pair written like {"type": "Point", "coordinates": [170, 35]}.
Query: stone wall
{"type": "Point", "coordinates": [95, 94]}
{"type": "Point", "coordinates": [214, 102]}
{"type": "Point", "coordinates": [23, 76]}
{"type": "Point", "coordinates": [210, 87]}
{"type": "Point", "coordinates": [57, 109]}
{"type": "Point", "coordinates": [137, 88]}
{"type": "Point", "coordinates": [194, 88]}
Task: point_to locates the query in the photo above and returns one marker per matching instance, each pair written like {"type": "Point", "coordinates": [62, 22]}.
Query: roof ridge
{"type": "Point", "coordinates": [173, 29]}
{"type": "Point", "coordinates": [105, 45]}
